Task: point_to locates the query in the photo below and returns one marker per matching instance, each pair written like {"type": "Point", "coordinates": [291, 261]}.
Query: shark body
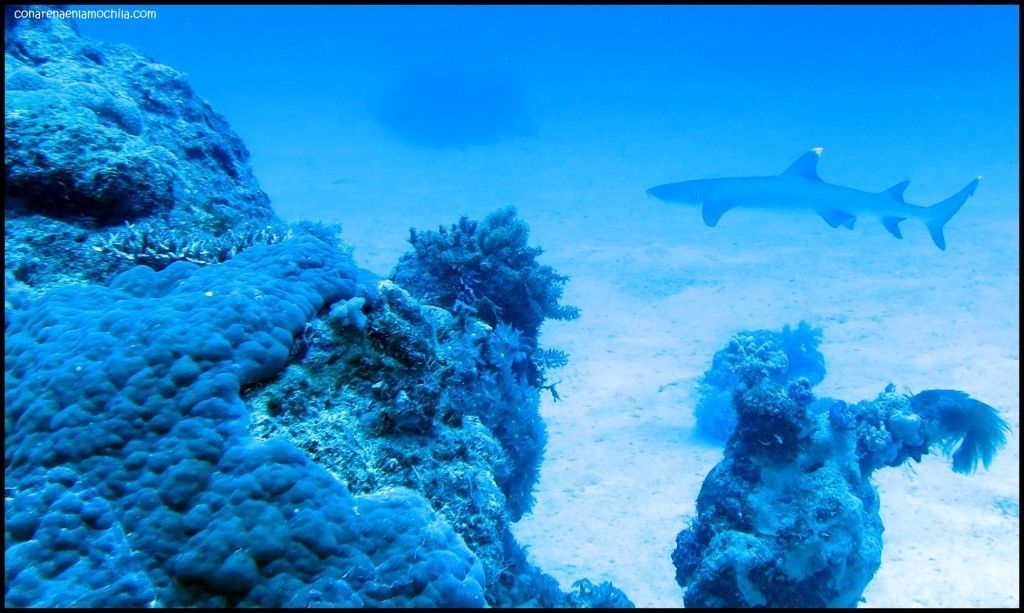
{"type": "Point", "coordinates": [801, 189]}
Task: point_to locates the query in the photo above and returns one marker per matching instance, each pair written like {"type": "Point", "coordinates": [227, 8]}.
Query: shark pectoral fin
{"type": "Point", "coordinates": [892, 224]}
{"type": "Point", "coordinates": [713, 211]}
{"type": "Point", "coordinates": [836, 218]}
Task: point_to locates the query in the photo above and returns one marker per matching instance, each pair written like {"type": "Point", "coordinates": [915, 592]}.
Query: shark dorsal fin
{"type": "Point", "coordinates": [896, 191]}
{"type": "Point", "coordinates": [807, 166]}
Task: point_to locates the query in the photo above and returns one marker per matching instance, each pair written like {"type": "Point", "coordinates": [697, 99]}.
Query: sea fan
{"type": "Point", "coordinates": [973, 428]}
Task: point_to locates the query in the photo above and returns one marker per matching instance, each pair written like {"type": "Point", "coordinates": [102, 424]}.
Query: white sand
{"type": "Point", "coordinates": [660, 293]}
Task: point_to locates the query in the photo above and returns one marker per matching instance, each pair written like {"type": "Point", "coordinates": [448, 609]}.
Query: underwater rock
{"type": "Point", "coordinates": [794, 354]}
{"type": "Point", "coordinates": [451, 108]}
{"type": "Point", "coordinates": [97, 136]}
{"type": "Point", "coordinates": [789, 518]}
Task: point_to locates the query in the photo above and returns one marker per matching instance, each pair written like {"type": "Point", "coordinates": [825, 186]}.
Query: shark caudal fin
{"type": "Point", "coordinates": [936, 216]}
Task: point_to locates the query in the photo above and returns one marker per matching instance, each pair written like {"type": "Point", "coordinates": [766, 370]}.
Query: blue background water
{"type": "Point", "coordinates": [346, 112]}
{"type": "Point", "coordinates": [927, 93]}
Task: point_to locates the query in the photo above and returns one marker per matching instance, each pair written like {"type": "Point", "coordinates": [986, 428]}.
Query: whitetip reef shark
{"type": "Point", "coordinates": [801, 189]}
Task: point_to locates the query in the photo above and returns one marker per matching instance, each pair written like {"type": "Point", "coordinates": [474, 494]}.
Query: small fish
{"type": "Point", "coordinates": [801, 189]}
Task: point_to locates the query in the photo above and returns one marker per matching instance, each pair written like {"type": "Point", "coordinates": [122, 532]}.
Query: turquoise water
{"type": "Point", "coordinates": [383, 118]}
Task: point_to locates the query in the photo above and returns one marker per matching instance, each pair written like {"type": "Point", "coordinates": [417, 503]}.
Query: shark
{"type": "Point", "coordinates": [800, 189]}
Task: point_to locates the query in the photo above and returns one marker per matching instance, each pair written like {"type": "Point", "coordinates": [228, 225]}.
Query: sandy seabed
{"type": "Point", "coordinates": [660, 293]}
{"type": "Point", "coordinates": [623, 466]}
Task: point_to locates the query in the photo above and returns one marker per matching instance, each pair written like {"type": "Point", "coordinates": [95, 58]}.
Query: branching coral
{"type": "Point", "coordinates": [487, 270]}
{"type": "Point", "coordinates": [157, 245]}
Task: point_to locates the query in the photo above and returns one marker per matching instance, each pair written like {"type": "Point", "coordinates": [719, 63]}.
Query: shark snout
{"type": "Point", "coordinates": [679, 193]}
{"type": "Point", "coordinates": [658, 191]}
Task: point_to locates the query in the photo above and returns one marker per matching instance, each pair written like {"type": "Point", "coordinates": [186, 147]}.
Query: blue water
{"type": "Point", "coordinates": [384, 118]}
{"type": "Point", "coordinates": [929, 94]}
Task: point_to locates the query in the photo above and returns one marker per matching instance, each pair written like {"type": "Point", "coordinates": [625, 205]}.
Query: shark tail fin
{"type": "Point", "coordinates": [936, 216]}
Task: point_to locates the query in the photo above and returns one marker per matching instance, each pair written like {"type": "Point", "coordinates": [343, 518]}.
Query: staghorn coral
{"type": "Point", "coordinates": [154, 246]}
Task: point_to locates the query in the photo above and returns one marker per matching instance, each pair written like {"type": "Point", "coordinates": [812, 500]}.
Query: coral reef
{"type": "Point", "coordinates": [789, 518]}
{"type": "Point", "coordinates": [487, 271]}
{"type": "Point", "coordinates": [206, 406]}
{"type": "Point", "coordinates": [387, 392]}
{"type": "Point", "coordinates": [381, 391]}
{"type": "Point", "coordinates": [793, 353]}
{"type": "Point", "coordinates": [133, 411]}
{"type": "Point", "coordinates": [894, 428]}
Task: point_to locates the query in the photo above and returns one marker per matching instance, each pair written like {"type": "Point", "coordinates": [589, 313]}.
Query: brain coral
{"type": "Point", "coordinates": [127, 450]}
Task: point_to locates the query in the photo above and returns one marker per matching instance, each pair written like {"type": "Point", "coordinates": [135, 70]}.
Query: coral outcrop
{"type": "Point", "coordinates": [111, 160]}
{"type": "Point", "coordinates": [787, 354]}
{"type": "Point", "coordinates": [205, 406]}
{"type": "Point", "coordinates": [386, 391]}
{"type": "Point", "coordinates": [126, 428]}
{"type": "Point", "coordinates": [487, 271]}
{"type": "Point", "coordinates": [789, 518]}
